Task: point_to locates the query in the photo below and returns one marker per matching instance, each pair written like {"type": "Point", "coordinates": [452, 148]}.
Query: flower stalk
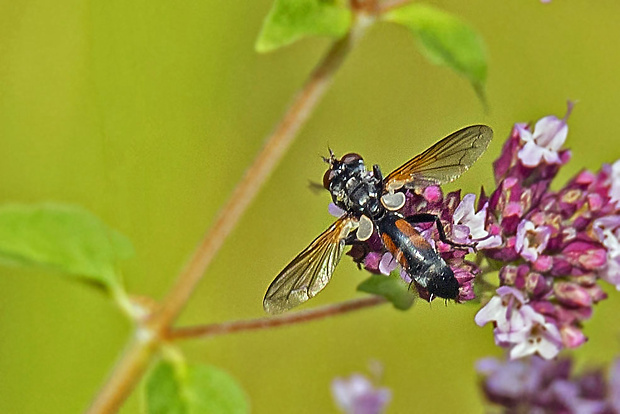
{"type": "Point", "coordinates": [226, 328]}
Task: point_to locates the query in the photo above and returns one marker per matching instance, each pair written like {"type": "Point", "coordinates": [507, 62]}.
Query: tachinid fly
{"type": "Point", "coordinates": [371, 202]}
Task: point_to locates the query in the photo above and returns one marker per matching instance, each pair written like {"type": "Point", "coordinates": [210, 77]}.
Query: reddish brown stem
{"type": "Point", "coordinates": [388, 5]}
{"type": "Point", "coordinates": [206, 331]}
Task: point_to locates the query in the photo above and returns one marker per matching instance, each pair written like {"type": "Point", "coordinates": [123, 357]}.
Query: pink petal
{"type": "Point", "coordinates": [387, 264]}
{"type": "Point", "coordinates": [432, 193]}
{"type": "Point", "coordinates": [572, 337]}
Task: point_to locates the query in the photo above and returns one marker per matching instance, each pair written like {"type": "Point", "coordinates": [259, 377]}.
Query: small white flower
{"type": "Point", "coordinates": [607, 231]}
{"type": "Point", "coordinates": [531, 240]}
{"type": "Point", "coordinates": [542, 338]}
{"type": "Point", "coordinates": [504, 310]}
{"type": "Point", "coordinates": [469, 226]}
{"type": "Point", "coordinates": [548, 137]}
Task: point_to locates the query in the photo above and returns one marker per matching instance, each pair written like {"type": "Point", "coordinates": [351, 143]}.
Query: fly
{"type": "Point", "coordinates": [371, 202]}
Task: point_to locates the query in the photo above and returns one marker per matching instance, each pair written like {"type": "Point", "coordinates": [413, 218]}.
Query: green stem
{"type": "Point", "coordinates": [124, 303]}
{"type": "Point", "coordinates": [138, 354]}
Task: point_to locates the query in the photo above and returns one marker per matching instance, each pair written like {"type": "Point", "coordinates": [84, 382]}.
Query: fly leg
{"type": "Point", "coordinates": [359, 249]}
{"type": "Point", "coordinates": [431, 218]}
{"type": "Point", "coordinates": [376, 172]}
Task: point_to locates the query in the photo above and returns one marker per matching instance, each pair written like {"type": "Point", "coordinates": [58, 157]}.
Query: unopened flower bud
{"type": "Point", "coordinates": [572, 295]}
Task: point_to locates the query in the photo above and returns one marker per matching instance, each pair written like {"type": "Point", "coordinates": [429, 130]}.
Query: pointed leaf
{"type": "Point", "coordinates": [445, 40]}
{"type": "Point", "coordinates": [291, 20]}
{"type": "Point", "coordinates": [64, 238]}
{"type": "Point", "coordinates": [391, 287]}
{"type": "Point", "coordinates": [193, 389]}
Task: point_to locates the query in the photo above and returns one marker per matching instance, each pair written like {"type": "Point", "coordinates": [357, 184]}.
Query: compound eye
{"type": "Point", "coordinates": [351, 158]}
{"type": "Point", "coordinates": [328, 177]}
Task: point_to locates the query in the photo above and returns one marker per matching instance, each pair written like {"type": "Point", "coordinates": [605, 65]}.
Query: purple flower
{"type": "Point", "coordinates": [534, 385]}
{"type": "Point", "coordinates": [531, 240]}
{"type": "Point", "coordinates": [607, 231]}
{"type": "Point", "coordinates": [465, 273]}
{"type": "Point", "coordinates": [469, 225]}
{"type": "Point", "coordinates": [614, 190]}
{"type": "Point", "coordinates": [357, 395]}
{"type": "Point", "coordinates": [572, 337]}
{"type": "Point", "coordinates": [614, 385]}
{"type": "Point", "coordinates": [541, 337]}
{"type": "Point", "coordinates": [611, 273]}
{"type": "Point", "coordinates": [504, 311]}
{"type": "Point", "coordinates": [518, 326]}
{"type": "Point", "coordinates": [548, 137]}
{"type": "Point", "coordinates": [372, 261]}
{"type": "Point", "coordinates": [387, 264]}
{"type": "Point", "coordinates": [567, 393]}
{"type": "Point", "coordinates": [511, 383]}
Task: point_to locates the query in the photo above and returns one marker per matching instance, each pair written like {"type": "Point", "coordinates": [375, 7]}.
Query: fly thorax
{"type": "Point", "coordinates": [362, 193]}
{"type": "Point", "coordinates": [352, 187]}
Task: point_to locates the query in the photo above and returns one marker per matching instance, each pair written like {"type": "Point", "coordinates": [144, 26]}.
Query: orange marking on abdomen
{"type": "Point", "coordinates": [396, 252]}
{"type": "Point", "coordinates": [413, 235]}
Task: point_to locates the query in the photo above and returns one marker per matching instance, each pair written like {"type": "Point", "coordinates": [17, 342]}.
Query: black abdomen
{"type": "Point", "coordinates": [417, 256]}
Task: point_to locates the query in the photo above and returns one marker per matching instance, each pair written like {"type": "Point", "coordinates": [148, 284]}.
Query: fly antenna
{"type": "Point", "coordinates": [331, 158]}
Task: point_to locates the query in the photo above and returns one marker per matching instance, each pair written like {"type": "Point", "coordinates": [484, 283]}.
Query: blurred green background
{"type": "Point", "coordinates": [148, 112]}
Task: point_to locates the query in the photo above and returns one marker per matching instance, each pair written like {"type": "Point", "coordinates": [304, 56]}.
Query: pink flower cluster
{"type": "Point", "coordinates": [556, 245]}
{"type": "Point", "coordinates": [551, 247]}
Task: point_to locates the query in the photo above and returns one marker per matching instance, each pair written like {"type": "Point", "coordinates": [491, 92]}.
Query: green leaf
{"type": "Point", "coordinates": [64, 238]}
{"type": "Point", "coordinates": [291, 20]}
{"type": "Point", "coordinates": [193, 389]}
{"type": "Point", "coordinates": [391, 287]}
{"type": "Point", "coordinates": [445, 40]}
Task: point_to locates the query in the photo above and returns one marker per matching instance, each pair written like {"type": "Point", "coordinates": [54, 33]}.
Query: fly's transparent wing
{"type": "Point", "coordinates": [311, 270]}
{"type": "Point", "coordinates": [443, 162]}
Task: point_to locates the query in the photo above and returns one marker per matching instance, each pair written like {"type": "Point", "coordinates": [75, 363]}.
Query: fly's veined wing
{"type": "Point", "coordinates": [443, 162]}
{"type": "Point", "coordinates": [311, 270]}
